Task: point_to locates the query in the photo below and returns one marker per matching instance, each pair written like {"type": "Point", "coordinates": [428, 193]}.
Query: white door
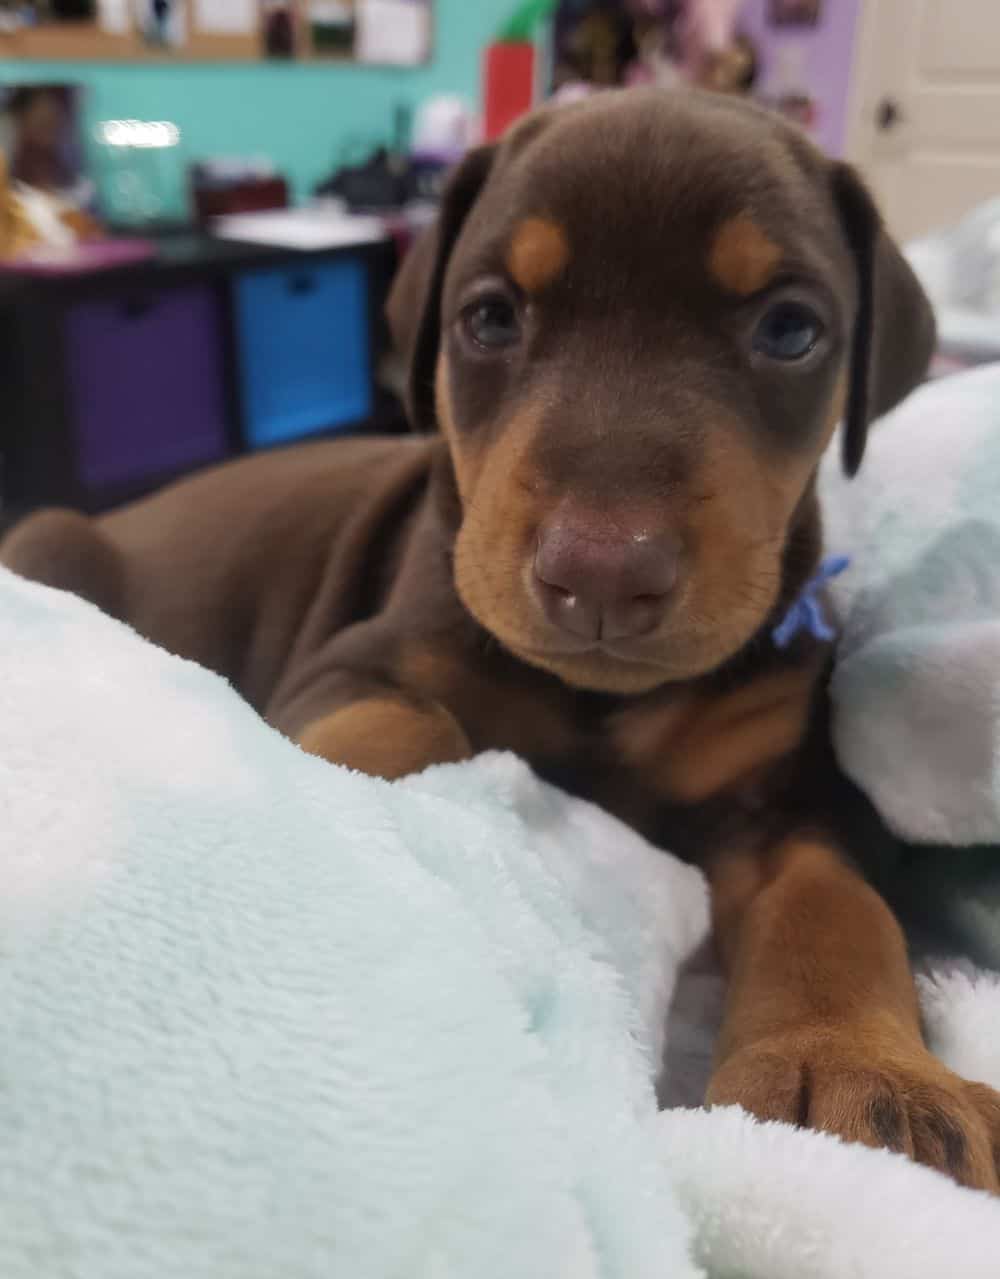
{"type": "Point", "coordinates": [925, 113]}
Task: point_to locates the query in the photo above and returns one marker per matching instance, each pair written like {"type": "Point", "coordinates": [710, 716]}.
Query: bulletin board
{"type": "Point", "coordinates": [372, 32]}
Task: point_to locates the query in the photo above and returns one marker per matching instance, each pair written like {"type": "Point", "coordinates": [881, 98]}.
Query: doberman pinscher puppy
{"type": "Point", "coordinates": [631, 336]}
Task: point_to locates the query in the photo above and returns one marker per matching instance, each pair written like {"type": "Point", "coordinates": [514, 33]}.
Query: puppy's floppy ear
{"type": "Point", "coordinates": [414, 306]}
{"type": "Point", "coordinates": [894, 332]}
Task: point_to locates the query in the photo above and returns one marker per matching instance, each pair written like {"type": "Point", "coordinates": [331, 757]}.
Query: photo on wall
{"type": "Point", "coordinates": [41, 140]}
{"type": "Point", "coordinates": [794, 13]}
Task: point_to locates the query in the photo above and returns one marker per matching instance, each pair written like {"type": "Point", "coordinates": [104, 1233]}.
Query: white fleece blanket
{"type": "Point", "coordinates": [265, 1019]}
{"type": "Point", "coordinates": [917, 686]}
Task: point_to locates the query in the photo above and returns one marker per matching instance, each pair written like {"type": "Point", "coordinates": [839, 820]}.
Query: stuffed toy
{"type": "Point", "coordinates": [31, 219]}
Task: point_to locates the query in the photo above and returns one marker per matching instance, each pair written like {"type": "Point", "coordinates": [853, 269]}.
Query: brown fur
{"type": "Point", "coordinates": [381, 602]}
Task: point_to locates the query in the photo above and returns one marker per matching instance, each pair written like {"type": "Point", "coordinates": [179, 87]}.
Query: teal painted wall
{"type": "Point", "coordinates": [302, 117]}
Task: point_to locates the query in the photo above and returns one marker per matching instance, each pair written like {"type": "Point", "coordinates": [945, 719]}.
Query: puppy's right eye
{"type": "Point", "coordinates": [492, 322]}
{"type": "Point", "coordinates": [788, 332]}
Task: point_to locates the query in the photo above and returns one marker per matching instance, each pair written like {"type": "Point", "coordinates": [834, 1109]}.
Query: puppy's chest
{"type": "Point", "coordinates": [664, 762]}
{"type": "Point", "coordinates": [672, 764]}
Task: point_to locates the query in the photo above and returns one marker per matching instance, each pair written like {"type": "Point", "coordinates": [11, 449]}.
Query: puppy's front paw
{"type": "Point", "coordinates": [870, 1088]}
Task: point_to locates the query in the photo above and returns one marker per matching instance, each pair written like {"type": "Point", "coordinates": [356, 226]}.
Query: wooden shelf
{"type": "Point", "coordinates": [88, 42]}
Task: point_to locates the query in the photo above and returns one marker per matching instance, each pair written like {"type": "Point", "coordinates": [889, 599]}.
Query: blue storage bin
{"type": "Point", "coordinates": [304, 354]}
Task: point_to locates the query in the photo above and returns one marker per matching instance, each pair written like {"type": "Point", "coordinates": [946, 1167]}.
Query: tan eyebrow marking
{"type": "Point", "coordinates": [538, 252]}
{"type": "Point", "coordinates": [742, 258]}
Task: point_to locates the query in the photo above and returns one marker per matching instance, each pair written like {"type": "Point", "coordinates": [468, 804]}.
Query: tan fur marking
{"type": "Point", "coordinates": [526, 720]}
{"type": "Point", "coordinates": [537, 253]}
{"type": "Point", "coordinates": [742, 258]}
{"type": "Point", "coordinates": [722, 753]}
{"type": "Point", "coordinates": [387, 737]}
{"type": "Point", "coordinates": [703, 746]}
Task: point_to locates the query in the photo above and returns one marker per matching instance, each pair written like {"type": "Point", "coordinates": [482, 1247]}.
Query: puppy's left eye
{"type": "Point", "coordinates": [788, 331]}
{"type": "Point", "coordinates": [492, 322]}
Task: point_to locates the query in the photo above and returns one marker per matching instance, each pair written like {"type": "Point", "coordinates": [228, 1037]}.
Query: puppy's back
{"type": "Point", "coordinates": [222, 567]}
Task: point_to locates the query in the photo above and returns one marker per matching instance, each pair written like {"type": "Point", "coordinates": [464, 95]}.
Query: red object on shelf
{"type": "Point", "coordinates": [508, 85]}
{"type": "Point", "coordinates": [257, 196]}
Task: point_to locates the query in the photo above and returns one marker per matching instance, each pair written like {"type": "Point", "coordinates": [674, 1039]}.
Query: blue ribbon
{"type": "Point", "coordinates": [806, 614]}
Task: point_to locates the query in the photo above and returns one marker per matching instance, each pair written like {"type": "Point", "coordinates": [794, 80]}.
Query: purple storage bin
{"type": "Point", "coordinates": [146, 384]}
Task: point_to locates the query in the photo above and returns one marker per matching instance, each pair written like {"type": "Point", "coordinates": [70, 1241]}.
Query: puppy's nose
{"type": "Point", "coordinates": [600, 584]}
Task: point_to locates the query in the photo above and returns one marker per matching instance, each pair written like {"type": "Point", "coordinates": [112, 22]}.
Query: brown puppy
{"type": "Point", "coordinates": [633, 330]}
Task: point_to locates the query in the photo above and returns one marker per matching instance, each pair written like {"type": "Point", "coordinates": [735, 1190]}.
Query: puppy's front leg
{"type": "Point", "coordinates": [387, 735]}
{"type": "Point", "coordinates": [822, 1025]}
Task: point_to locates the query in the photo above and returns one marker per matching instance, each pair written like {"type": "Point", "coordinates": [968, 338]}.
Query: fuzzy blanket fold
{"type": "Point", "coordinates": [267, 1019]}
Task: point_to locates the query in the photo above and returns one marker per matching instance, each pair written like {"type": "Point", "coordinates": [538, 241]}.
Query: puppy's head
{"type": "Point", "coordinates": [637, 323]}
